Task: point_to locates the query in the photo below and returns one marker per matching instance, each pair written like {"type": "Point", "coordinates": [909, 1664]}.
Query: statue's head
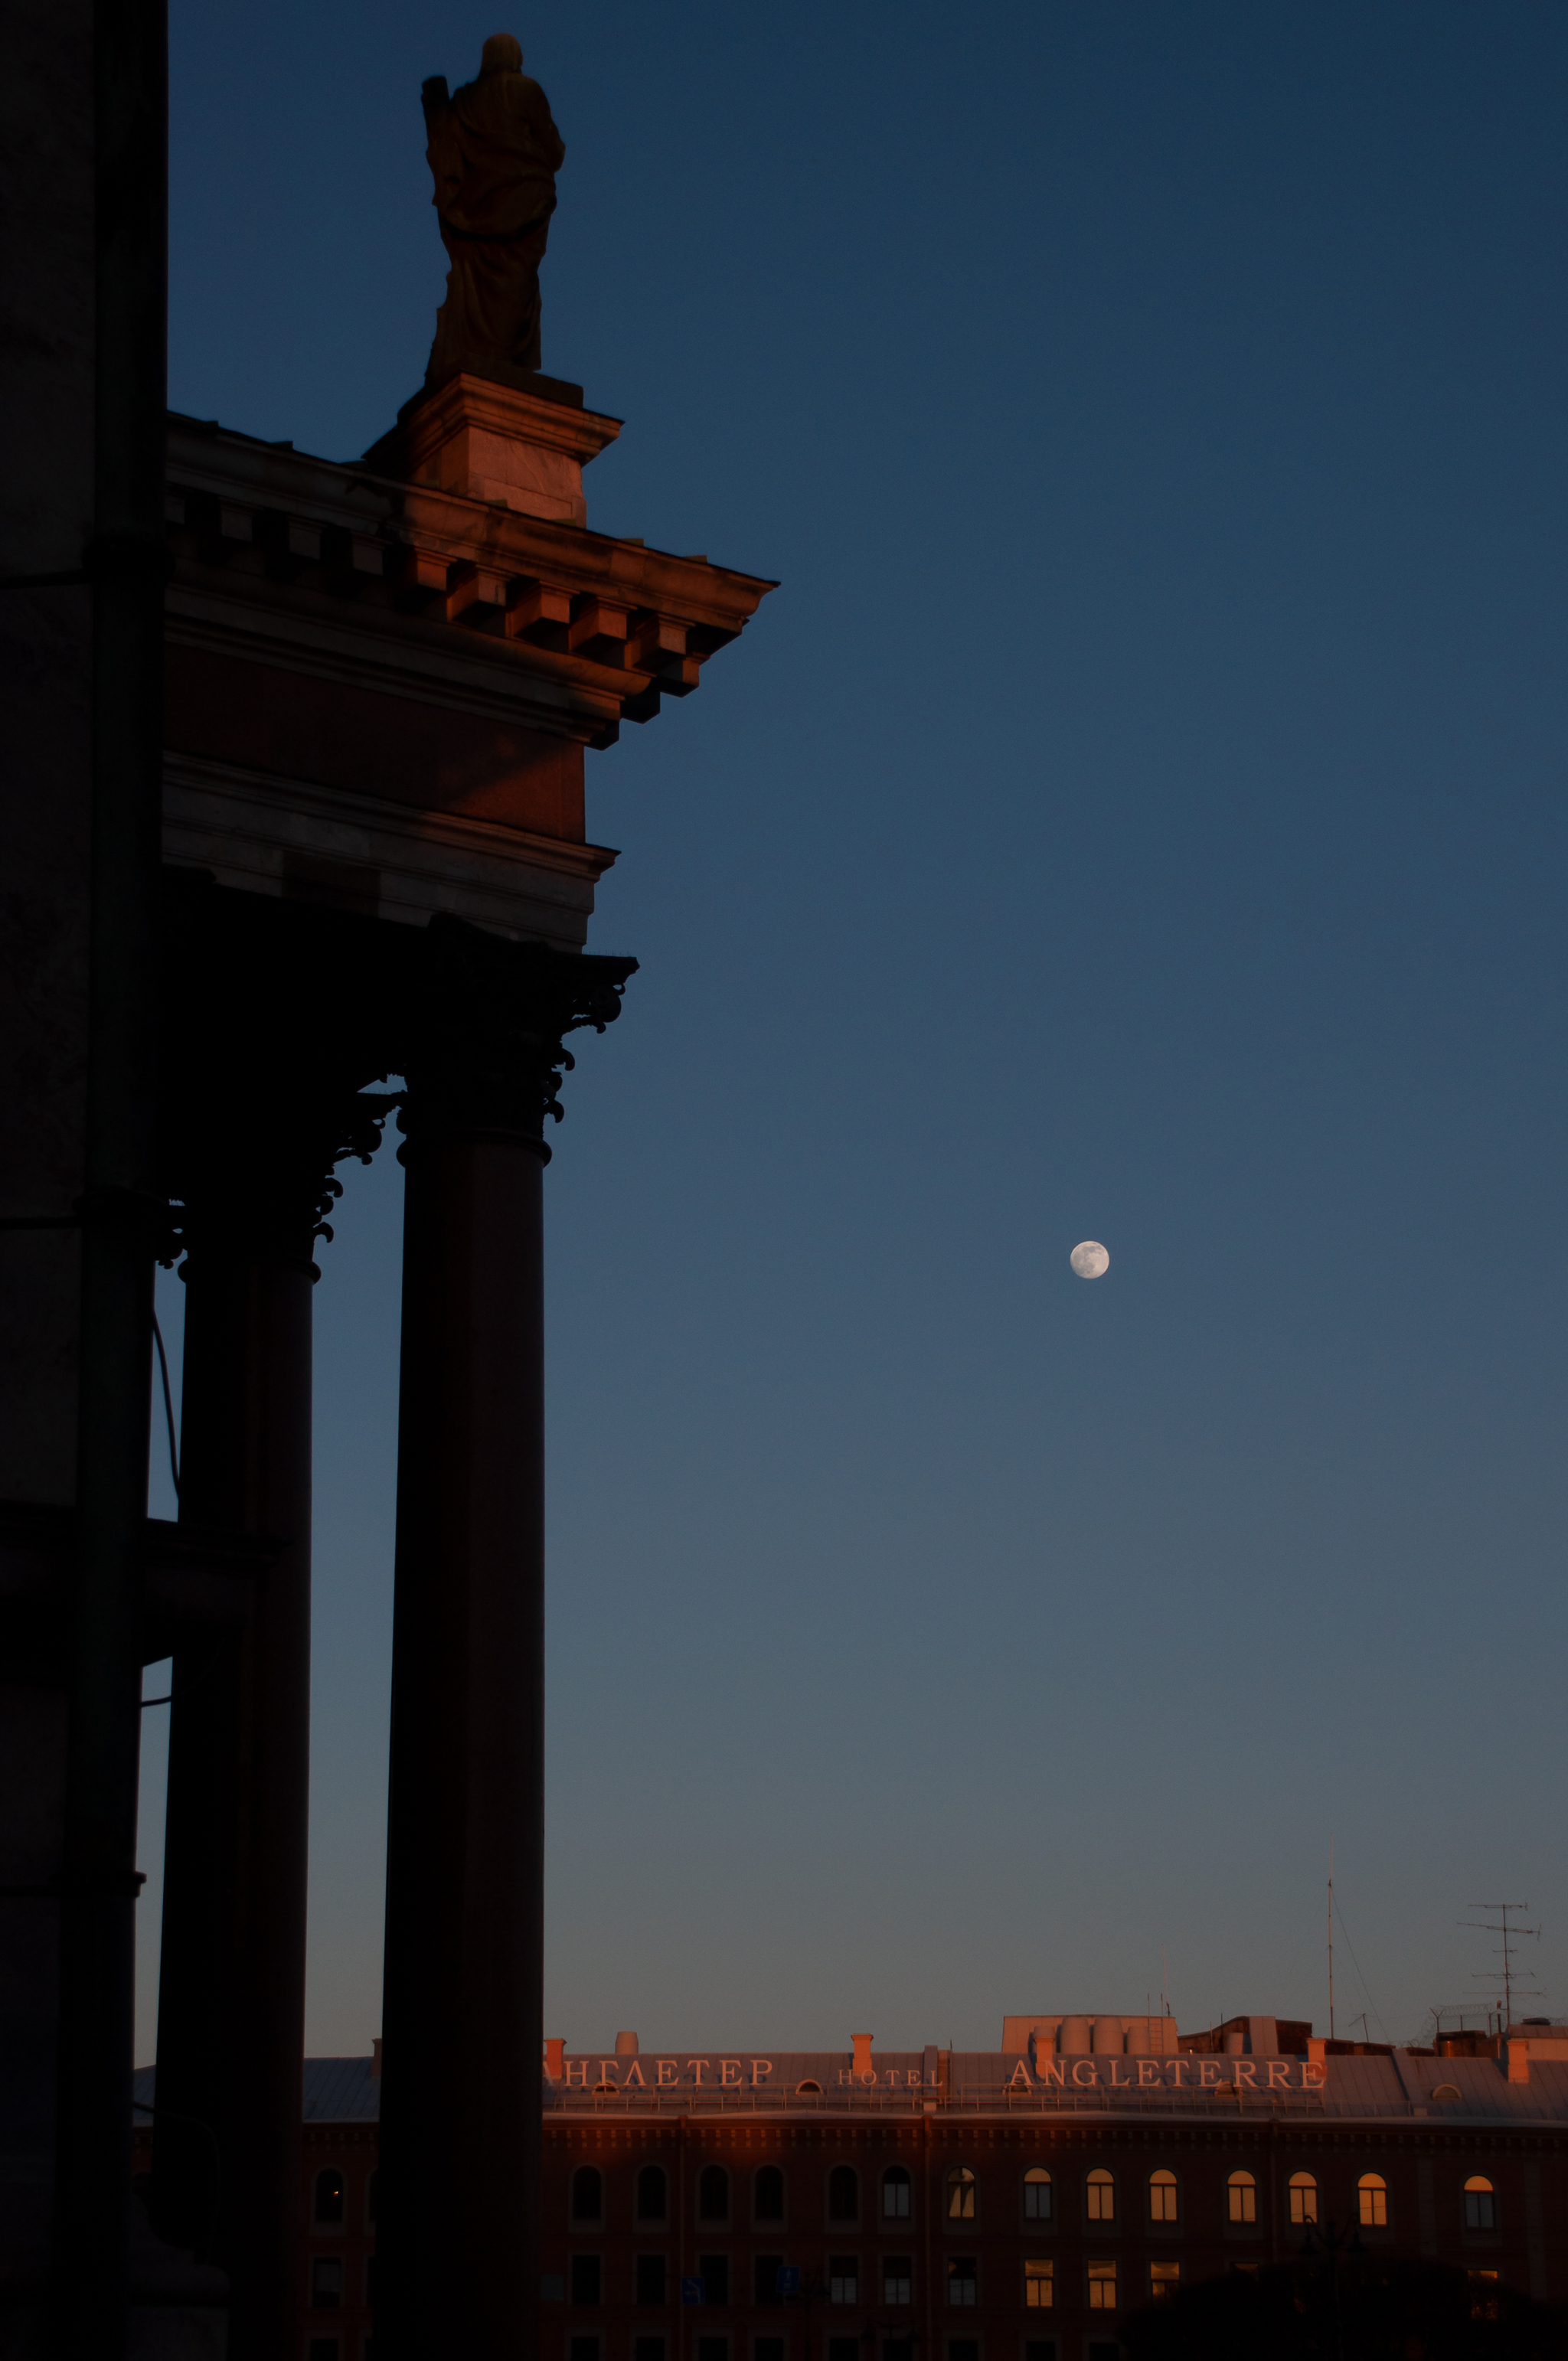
{"type": "Point", "coordinates": [502, 54]}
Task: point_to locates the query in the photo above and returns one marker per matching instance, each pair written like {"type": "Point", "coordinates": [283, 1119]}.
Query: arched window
{"type": "Point", "coordinates": [1037, 2194]}
{"type": "Point", "coordinates": [961, 2194]}
{"type": "Point", "coordinates": [895, 2194]}
{"type": "Point", "coordinates": [1303, 2198]}
{"type": "Point", "coordinates": [713, 2193]}
{"type": "Point", "coordinates": [843, 2194]}
{"type": "Point", "coordinates": [1101, 2197]}
{"type": "Point", "coordinates": [1372, 2196]}
{"type": "Point", "coordinates": [1241, 2191]}
{"type": "Point", "coordinates": [329, 2196]}
{"type": "Point", "coordinates": [1162, 2196]}
{"type": "Point", "coordinates": [1480, 2204]}
{"type": "Point", "coordinates": [802, 2089]}
{"type": "Point", "coordinates": [768, 2194]}
{"type": "Point", "coordinates": [587, 2194]}
{"type": "Point", "coordinates": [652, 2199]}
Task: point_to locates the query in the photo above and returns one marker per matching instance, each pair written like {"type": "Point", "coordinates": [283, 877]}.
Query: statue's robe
{"type": "Point", "coordinates": [494, 153]}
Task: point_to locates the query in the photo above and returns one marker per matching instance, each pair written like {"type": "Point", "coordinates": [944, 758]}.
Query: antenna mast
{"type": "Point", "coordinates": [1511, 1936]}
{"type": "Point", "coordinates": [1331, 1938]}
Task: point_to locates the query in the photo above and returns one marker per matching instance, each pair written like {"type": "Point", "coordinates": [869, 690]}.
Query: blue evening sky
{"type": "Point", "coordinates": [1137, 816]}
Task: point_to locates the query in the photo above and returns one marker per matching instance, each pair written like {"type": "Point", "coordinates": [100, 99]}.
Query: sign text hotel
{"type": "Point", "coordinates": [1187, 2073]}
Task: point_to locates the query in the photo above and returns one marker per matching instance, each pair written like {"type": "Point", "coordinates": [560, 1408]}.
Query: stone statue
{"type": "Point", "coordinates": [494, 153]}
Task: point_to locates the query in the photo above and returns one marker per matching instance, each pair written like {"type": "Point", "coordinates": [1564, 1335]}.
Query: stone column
{"type": "Point", "coordinates": [459, 2195]}
{"type": "Point", "coordinates": [261, 1103]}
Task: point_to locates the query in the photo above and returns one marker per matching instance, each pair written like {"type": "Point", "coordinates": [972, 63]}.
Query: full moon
{"type": "Point", "coordinates": [1091, 1260]}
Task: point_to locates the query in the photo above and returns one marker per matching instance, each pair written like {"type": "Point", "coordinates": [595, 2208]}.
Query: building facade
{"type": "Point", "coordinates": [939, 2205]}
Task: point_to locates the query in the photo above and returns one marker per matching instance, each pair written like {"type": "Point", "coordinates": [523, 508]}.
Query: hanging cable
{"type": "Point", "coordinates": [167, 1405]}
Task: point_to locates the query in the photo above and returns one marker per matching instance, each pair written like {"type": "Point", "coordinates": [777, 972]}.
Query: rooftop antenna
{"type": "Point", "coordinates": [1511, 1936]}
{"type": "Point", "coordinates": [1331, 1937]}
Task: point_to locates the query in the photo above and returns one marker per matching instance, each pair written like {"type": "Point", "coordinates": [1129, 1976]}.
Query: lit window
{"type": "Point", "coordinates": [327, 2283]}
{"type": "Point", "coordinates": [961, 2194]}
{"type": "Point", "coordinates": [1372, 2195]}
{"type": "Point", "coordinates": [1483, 2303]}
{"type": "Point", "coordinates": [1101, 2287]}
{"type": "Point", "coordinates": [1303, 2198]}
{"type": "Point", "coordinates": [963, 2279]}
{"type": "Point", "coordinates": [843, 2279]}
{"type": "Point", "coordinates": [329, 2197]}
{"type": "Point", "coordinates": [1240, 2191]}
{"type": "Point", "coordinates": [652, 2195]}
{"type": "Point", "coordinates": [1039, 2285]}
{"type": "Point", "coordinates": [1101, 2197]}
{"type": "Point", "coordinates": [1037, 2194]}
{"type": "Point", "coordinates": [587, 2194]}
{"type": "Point", "coordinates": [895, 2194]}
{"type": "Point", "coordinates": [1480, 2204]}
{"type": "Point", "coordinates": [1165, 2280]}
{"type": "Point", "coordinates": [843, 2194]}
{"type": "Point", "coordinates": [768, 2194]}
{"type": "Point", "coordinates": [713, 2193]}
{"type": "Point", "coordinates": [649, 2278]}
{"type": "Point", "coordinates": [898, 2279]}
{"type": "Point", "coordinates": [585, 2278]}
{"type": "Point", "coordinates": [1162, 2197]}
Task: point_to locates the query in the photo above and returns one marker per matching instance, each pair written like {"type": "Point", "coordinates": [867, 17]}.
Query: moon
{"type": "Point", "coordinates": [1091, 1260]}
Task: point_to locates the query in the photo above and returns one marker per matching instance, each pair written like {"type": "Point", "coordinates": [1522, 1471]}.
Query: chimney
{"type": "Point", "coordinates": [554, 2060]}
{"type": "Point", "coordinates": [862, 2064]}
{"type": "Point", "coordinates": [376, 2060]}
{"type": "Point", "coordinates": [626, 2045]}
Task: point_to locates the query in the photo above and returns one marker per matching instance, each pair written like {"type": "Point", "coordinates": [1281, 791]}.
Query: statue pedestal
{"type": "Point", "coordinates": [521, 450]}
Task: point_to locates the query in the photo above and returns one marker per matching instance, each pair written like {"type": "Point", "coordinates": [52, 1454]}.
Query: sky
{"type": "Point", "coordinates": [1137, 816]}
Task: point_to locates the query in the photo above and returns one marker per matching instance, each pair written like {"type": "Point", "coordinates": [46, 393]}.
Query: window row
{"type": "Point", "coordinates": [713, 2286]}
{"type": "Point", "coordinates": [839, 2348]}
{"type": "Point", "coordinates": [961, 2189]}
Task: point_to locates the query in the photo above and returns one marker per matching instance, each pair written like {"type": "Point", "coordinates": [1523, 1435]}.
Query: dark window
{"type": "Point", "coordinates": [329, 2197]}
{"type": "Point", "coordinates": [585, 2278]}
{"type": "Point", "coordinates": [895, 2194]}
{"type": "Point", "coordinates": [584, 2349]}
{"type": "Point", "coordinates": [843, 2194]}
{"type": "Point", "coordinates": [963, 2348]}
{"type": "Point", "coordinates": [327, 2283]}
{"type": "Point", "coordinates": [649, 2278]}
{"type": "Point", "coordinates": [843, 2349]}
{"type": "Point", "coordinates": [714, 2272]}
{"type": "Point", "coordinates": [1037, 2351]}
{"type": "Point", "coordinates": [767, 2348]}
{"type": "Point", "coordinates": [370, 2281]}
{"type": "Point", "coordinates": [843, 2279]}
{"type": "Point", "coordinates": [1100, 2351]}
{"type": "Point", "coordinates": [647, 2349]}
{"type": "Point", "coordinates": [324, 2348]}
{"type": "Point", "coordinates": [552, 2286]}
{"type": "Point", "coordinates": [713, 2194]}
{"type": "Point", "coordinates": [765, 2271]}
{"type": "Point", "coordinates": [898, 2279]}
{"type": "Point", "coordinates": [713, 2348]}
{"type": "Point", "coordinates": [371, 2197]}
{"type": "Point", "coordinates": [768, 2194]}
{"type": "Point", "coordinates": [963, 2279]}
{"type": "Point", "coordinates": [1037, 2194]}
{"type": "Point", "coordinates": [587, 2194]}
{"type": "Point", "coordinates": [651, 2193]}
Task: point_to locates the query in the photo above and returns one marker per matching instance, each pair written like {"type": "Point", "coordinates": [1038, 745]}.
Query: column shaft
{"type": "Point", "coordinates": [462, 2014]}
{"type": "Point", "coordinates": [231, 1995]}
